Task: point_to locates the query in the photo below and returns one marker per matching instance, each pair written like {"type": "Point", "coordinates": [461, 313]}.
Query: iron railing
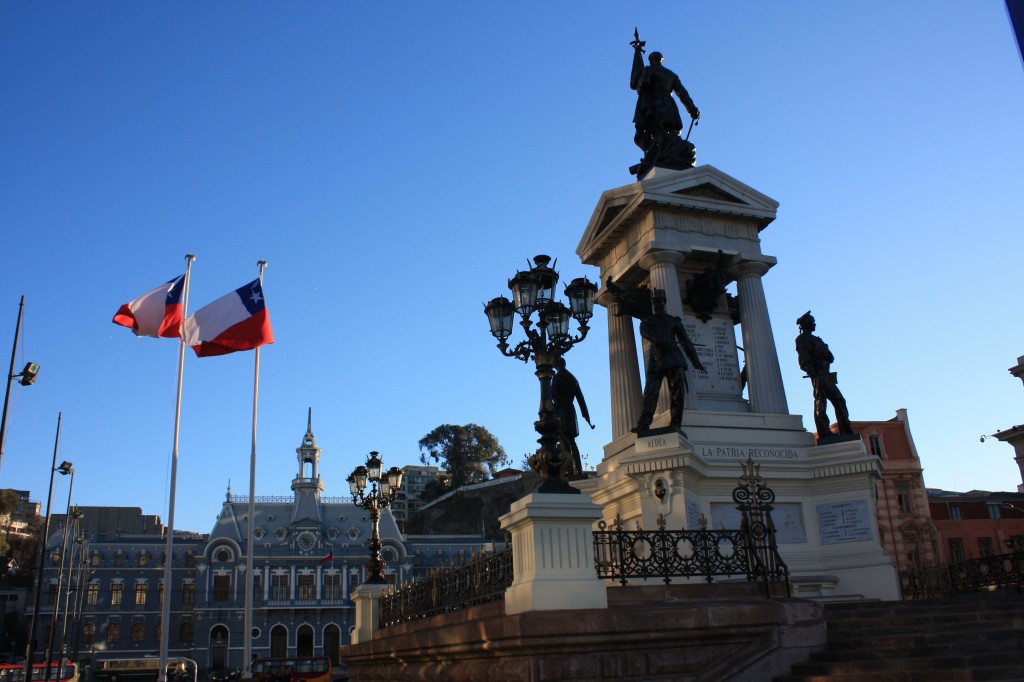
{"type": "Point", "coordinates": [972, 575]}
{"type": "Point", "coordinates": [481, 580]}
{"type": "Point", "coordinates": [750, 551]}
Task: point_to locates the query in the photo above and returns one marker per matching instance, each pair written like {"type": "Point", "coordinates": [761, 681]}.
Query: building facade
{"type": "Point", "coordinates": [978, 523]}
{"type": "Point", "coordinates": [309, 553]}
{"type": "Point", "coordinates": [904, 523]}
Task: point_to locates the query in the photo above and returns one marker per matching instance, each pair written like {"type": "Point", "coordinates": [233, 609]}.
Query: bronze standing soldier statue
{"type": "Point", "coordinates": [656, 117]}
{"type": "Point", "coordinates": [565, 388]}
{"type": "Point", "coordinates": [816, 360]}
{"type": "Point", "coordinates": [665, 362]}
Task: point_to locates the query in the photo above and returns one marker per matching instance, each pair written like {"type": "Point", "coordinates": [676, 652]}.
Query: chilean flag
{"type": "Point", "coordinates": [238, 321]}
{"type": "Point", "coordinates": [156, 313]}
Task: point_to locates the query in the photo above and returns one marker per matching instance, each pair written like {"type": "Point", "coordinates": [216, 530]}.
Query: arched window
{"type": "Point", "coordinates": [186, 633]}
{"type": "Point", "coordinates": [95, 559]}
{"type": "Point", "coordinates": [278, 642]}
{"type": "Point", "coordinates": [138, 632]}
{"type": "Point", "coordinates": [119, 559]}
{"type": "Point", "coordinates": [223, 555]}
{"type": "Point", "coordinates": [143, 559]}
{"type": "Point", "coordinates": [88, 633]}
{"type": "Point", "coordinates": [113, 633]}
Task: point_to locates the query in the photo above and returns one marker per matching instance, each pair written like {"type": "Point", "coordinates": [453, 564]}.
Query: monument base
{"type": "Point", "coordinates": [824, 513]}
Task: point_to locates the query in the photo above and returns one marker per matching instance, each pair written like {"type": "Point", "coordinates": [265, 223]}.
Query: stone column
{"type": "Point", "coordinates": [764, 378]}
{"type": "Point", "coordinates": [553, 554]}
{"type": "Point", "coordinates": [662, 267]}
{"type": "Point", "coordinates": [624, 369]}
{"type": "Point", "coordinates": [367, 601]}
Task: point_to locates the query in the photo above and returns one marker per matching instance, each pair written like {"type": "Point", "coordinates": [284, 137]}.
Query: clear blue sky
{"type": "Point", "coordinates": [396, 162]}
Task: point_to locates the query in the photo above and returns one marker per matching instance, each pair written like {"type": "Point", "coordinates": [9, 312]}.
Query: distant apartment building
{"type": "Point", "coordinates": [410, 496]}
{"type": "Point", "coordinates": [908, 535]}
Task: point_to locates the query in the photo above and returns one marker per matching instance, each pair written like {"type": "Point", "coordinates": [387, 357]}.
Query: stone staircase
{"type": "Point", "coordinates": [967, 637]}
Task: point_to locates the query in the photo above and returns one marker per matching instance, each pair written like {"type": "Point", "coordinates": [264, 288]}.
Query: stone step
{"type": "Point", "coordinates": [1003, 673]}
{"type": "Point", "coordinates": [963, 661]}
{"type": "Point", "coordinates": [908, 641]}
{"type": "Point", "coordinates": [942, 624]}
{"type": "Point", "coordinates": [967, 642]}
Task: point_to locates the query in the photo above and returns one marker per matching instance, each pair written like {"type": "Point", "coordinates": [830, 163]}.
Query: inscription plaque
{"type": "Point", "coordinates": [715, 341]}
{"type": "Point", "coordinates": [844, 522]}
{"type": "Point", "coordinates": [788, 518]}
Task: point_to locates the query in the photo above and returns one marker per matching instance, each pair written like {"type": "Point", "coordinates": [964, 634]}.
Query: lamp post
{"type": "Point", "coordinates": [75, 517]}
{"type": "Point", "coordinates": [48, 657]}
{"type": "Point", "coordinates": [373, 489]}
{"type": "Point", "coordinates": [26, 378]}
{"type": "Point", "coordinates": [533, 291]}
{"type": "Point", "coordinates": [64, 469]}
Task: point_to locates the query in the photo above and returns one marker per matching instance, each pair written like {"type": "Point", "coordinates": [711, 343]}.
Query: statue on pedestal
{"type": "Point", "coordinates": [665, 361]}
{"type": "Point", "coordinates": [565, 388]}
{"type": "Point", "coordinates": [656, 118]}
{"type": "Point", "coordinates": [816, 360]}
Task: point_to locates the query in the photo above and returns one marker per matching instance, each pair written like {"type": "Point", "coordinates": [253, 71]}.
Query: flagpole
{"type": "Point", "coordinates": [165, 613]}
{"type": "Point", "coordinates": [250, 515]}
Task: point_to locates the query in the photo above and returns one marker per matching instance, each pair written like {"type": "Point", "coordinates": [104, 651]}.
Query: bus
{"type": "Point", "coordinates": [15, 672]}
{"type": "Point", "coordinates": [143, 669]}
{"type": "Point", "coordinates": [292, 669]}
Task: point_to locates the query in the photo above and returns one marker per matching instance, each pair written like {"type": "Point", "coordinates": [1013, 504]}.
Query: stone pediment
{"type": "Point", "coordinates": [704, 189]}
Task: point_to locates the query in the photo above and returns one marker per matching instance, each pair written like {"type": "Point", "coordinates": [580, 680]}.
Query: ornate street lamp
{"type": "Point", "coordinates": [373, 489]}
{"type": "Point", "coordinates": [533, 291]}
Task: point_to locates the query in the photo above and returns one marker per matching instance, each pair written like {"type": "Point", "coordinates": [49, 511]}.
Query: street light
{"type": "Point", "coordinates": [533, 291]}
{"type": "Point", "coordinates": [64, 469]}
{"type": "Point", "coordinates": [383, 489]}
{"type": "Point", "coordinates": [26, 378]}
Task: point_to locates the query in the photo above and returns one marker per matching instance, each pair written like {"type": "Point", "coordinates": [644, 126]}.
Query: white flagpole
{"type": "Point", "coordinates": [249, 549]}
{"type": "Point", "coordinates": [165, 613]}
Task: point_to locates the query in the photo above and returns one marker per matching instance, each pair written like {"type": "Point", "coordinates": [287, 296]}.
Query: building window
{"type": "Point", "coordinates": [332, 586]}
{"type": "Point", "coordinates": [138, 632]}
{"type": "Point", "coordinates": [257, 586]}
{"type": "Point", "coordinates": [188, 593]}
{"type": "Point", "coordinates": [143, 559]}
{"type": "Point", "coordinates": [92, 594]}
{"type": "Point", "coordinates": [306, 588]}
{"type": "Point", "coordinates": [140, 594]}
{"type": "Point", "coordinates": [88, 633]}
{"type": "Point", "coordinates": [875, 444]}
{"type": "Point", "coordinates": [956, 512]}
{"type": "Point", "coordinates": [985, 547]}
{"type": "Point", "coordinates": [95, 562]}
{"type": "Point", "coordinates": [185, 632]}
{"type": "Point", "coordinates": [51, 591]}
{"type": "Point", "coordinates": [995, 510]}
{"type": "Point", "coordinates": [223, 555]}
{"type": "Point", "coordinates": [115, 594]}
{"type": "Point", "coordinates": [221, 587]}
{"type": "Point", "coordinates": [113, 633]}
{"type": "Point", "coordinates": [160, 591]}
{"type": "Point", "coordinates": [903, 498]}
{"type": "Point", "coordinates": [279, 586]}
{"type": "Point", "coordinates": [119, 559]}
{"type": "Point", "coordinates": [956, 550]}
{"type": "Point", "coordinates": [190, 559]}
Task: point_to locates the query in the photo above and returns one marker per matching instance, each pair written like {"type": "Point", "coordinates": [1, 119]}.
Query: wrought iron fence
{"type": "Point", "coordinates": [481, 580]}
{"type": "Point", "coordinates": [972, 575]}
{"type": "Point", "coordinates": [750, 551]}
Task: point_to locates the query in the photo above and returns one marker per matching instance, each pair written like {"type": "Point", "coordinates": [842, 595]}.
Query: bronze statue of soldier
{"type": "Point", "coordinates": [815, 360]}
{"type": "Point", "coordinates": [565, 388]}
{"type": "Point", "coordinates": [665, 361]}
{"type": "Point", "coordinates": [656, 117]}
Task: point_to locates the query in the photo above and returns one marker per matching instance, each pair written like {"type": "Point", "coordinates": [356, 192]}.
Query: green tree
{"type": "Point", "coordinates": [8, 504]}
{"type": "Point", "coordinates": [469, 453]}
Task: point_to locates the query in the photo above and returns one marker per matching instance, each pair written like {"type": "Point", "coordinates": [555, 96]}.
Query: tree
{"type": "Point", "coordinates": [468, 453]}
{"type": "Point", "coordinates": [9, 501]}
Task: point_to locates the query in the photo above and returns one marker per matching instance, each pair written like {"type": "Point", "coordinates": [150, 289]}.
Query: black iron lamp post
{"type": "Point", "coordinates": [64, 469]}
{"type": "Point", "coordinates": [27, 377]}
{"type": "Point", "coordinates": [533, 291]}
{"type": "Point", "coordinates": [373, 489]}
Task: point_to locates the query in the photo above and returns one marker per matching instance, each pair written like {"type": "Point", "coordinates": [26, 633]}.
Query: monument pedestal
{"type": "Point", "coordinates": [367, 601]}
{"type": "Point", "coordinates": [553, 554]}
{"type": "Point", "coordinates": [825, 496]}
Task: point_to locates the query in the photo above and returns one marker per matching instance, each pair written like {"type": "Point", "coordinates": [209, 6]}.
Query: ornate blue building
{"type": "Point", "coordinates": [309, 553]}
